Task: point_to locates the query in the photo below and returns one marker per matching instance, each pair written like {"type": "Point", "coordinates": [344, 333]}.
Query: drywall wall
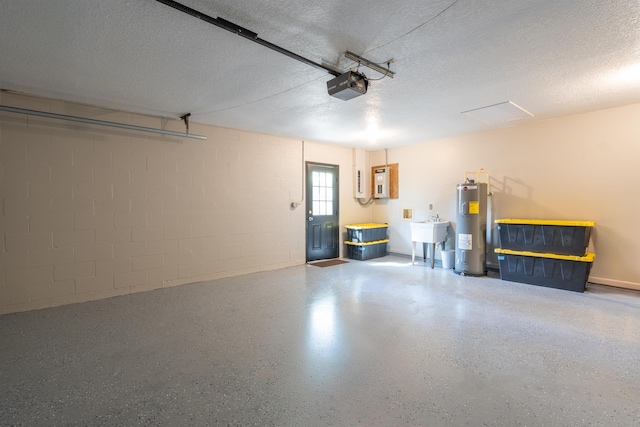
{"type": "Point", "coordinates": [90, 212]}
{"type": "Point", "coordinates": [577, 167]}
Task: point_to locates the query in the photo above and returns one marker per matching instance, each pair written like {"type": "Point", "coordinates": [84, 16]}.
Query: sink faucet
{"type": "Point", "coordinates": [436, 218]}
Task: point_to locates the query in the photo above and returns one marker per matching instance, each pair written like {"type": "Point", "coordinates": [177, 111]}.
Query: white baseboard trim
{"type": "Point", "coordinates": [592, 279]}
{"type": "Point", "coordinates": [616, 283]}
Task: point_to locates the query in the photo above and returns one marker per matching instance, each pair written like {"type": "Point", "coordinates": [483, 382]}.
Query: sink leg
{"type": "Point", "coordinates": [413, 253]}
{"type": "Point", "coordinates": [433, 254]}
{"type": "Point", "coordinates": [424, 252]}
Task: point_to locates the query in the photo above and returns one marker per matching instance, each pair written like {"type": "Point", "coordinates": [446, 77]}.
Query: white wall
{"type": "Point", "coordinates": [582, 167]}
{"type": "Point", "coordinates": [90, 212]}
{"type": "Point", "coordinates": [350, 211]}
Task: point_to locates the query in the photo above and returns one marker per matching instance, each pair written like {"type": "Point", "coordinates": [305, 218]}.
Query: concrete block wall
{"type": "Point", "coordinates": [90, 212]}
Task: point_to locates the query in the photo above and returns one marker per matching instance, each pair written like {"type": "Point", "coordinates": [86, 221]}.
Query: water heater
{"type": "Point", "coordinates": [471, 230]}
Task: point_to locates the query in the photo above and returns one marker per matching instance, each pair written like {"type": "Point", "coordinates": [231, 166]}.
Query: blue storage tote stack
{"type": "Point", "coordinates": [545, 252]}
{"type": "Point", "coordinates": [366, 241]}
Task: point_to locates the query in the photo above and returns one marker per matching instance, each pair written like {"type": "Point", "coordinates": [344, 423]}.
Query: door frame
{"type": "Point", "coordinates": [309, 202]}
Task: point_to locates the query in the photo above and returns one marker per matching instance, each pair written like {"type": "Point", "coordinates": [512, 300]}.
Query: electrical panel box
{"type": "Point", "coordinates": [393, 187]}
{"type": "Point", "coordinates": [359, 177]}
{"type": "Point", "coordinates": [381, 183]}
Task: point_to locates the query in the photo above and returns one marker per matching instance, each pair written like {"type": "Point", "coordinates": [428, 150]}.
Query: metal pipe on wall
{"type": "Point", "coordinates": [98, 122]}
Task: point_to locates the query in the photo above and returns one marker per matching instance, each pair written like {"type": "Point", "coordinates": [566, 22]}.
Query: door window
{"type": "Point", "coordinates": [322, 193]}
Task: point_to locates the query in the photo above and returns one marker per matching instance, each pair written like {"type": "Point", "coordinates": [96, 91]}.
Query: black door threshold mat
{"type": "Point", "coordinates": [328, 263]}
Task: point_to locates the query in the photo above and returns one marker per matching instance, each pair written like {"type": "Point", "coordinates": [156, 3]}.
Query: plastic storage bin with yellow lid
{"type": "Point", "coordinates": [367, 250]}
{"type": "Point", "coordinates": [362, 233]}
{"type": "Point", "coordinates": [547, 236]}
{"type": "Point", "coordinates": [568, 272]}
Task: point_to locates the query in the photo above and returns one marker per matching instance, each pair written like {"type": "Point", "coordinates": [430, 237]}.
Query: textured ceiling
{"type": "Point", "coordinates": [551, 58]}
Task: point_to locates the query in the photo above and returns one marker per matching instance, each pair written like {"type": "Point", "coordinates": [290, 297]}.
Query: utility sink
{"type": "Point", "coordinates": [428, 232]}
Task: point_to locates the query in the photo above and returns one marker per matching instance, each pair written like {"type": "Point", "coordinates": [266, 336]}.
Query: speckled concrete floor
{"type": "Point", "coordinates": [365, 343]}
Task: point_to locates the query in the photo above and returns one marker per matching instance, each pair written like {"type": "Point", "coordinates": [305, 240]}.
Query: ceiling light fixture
{"type": "Point", "coordinates": [627, 75]}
